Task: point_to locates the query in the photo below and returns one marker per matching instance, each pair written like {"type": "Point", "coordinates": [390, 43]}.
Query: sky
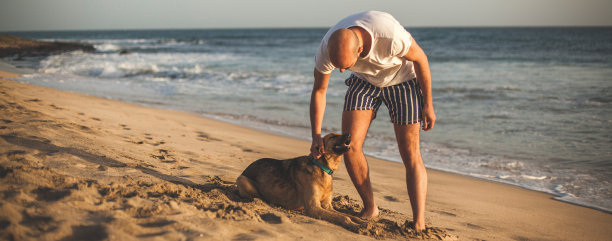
{"type": "Point", "coordinates": [32, 15]}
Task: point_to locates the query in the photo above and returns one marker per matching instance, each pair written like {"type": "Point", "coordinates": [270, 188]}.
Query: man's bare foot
{"type": "Point", "coordinates": [368, 213]}
{"type": "Point", "coordinates": [419, 227]}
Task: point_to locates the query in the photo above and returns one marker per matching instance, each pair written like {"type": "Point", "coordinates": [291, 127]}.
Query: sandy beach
{"type": "Point", "coordinates": [77, 167]}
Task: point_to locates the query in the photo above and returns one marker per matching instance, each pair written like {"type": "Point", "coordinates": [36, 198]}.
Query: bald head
{"type": "Point", "coordinates": [343, 48]}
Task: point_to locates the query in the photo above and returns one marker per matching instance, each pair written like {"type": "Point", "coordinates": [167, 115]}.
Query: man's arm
{"type": "Point", "coordinates": [317, 110]}
{"type": "Point", "coordinates": [421, 66]}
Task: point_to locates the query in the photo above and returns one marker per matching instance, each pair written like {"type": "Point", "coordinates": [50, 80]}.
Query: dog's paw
{"type": "Point", "coordinates": [358, 220]}
{"type": "Point", "coordinates": [355, 227]}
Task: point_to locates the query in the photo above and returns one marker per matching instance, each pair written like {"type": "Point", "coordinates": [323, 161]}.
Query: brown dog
{"type": "Point", "coordinates": [301, 182]}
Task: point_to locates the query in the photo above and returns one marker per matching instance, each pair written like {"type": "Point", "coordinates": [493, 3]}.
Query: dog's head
{"type": "Point", "coordinates": [336, 143]}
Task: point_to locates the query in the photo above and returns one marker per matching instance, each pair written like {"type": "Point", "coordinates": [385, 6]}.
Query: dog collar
{"type": "Point", "coordinates": [324, 168]}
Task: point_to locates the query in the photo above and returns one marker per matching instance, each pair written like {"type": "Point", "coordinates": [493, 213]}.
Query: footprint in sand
{"type": "Point", "coordinates": [150, 235]}
{"type": "Point", "coordinates": [271, 218]}
{"type": "Point", "coordinates": [448, 214]}
{"type": "Point", "coordinates": [264, 233]}
{"type": "Point", "coordinates": [88, 232]}
{"type": "Point", "coordinates": [158, 143]}
{"type": "Point", "coordinates": [5, 171]}
{"type": "Point", "coordinates": [4, 223]}
{"type": "Point", "coordinates": [243, 237]}
{"type": "Point", "coordinates": [474, 226]}
{"type": "Point", "coordinates": [56, 107]}
{"type": "Point", "coordinates": [49, 194]}
{"type": "Point", "coordinates": [203, 136]}
{"type": "Point", "coordinates": [391, 198]}
{"type": "Point", "coordinates": [100, 217]}
{"type": "Point", "coordinates": [163, 156]}
{"type": "Point", "coordinates": [38, 222]}
{"type": "Point", "coordinates": [244, 149]}
{"type": "Point", "coordinates": [157, 223]}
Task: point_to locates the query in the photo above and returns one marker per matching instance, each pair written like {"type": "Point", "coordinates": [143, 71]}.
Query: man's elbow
{"type": "Point", "coordinates": [421, 61]}
{"type": "Point", "coordinates": [319, 91]}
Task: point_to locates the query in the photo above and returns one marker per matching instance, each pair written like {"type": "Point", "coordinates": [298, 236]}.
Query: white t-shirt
{"type": "Point", "coordinates": [384, 65]}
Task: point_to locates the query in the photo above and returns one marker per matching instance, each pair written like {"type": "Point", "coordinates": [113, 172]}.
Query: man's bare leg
{"type": "Point", "coordinates": [408, 142]}
{"type": "Point", "coordinates": [357, 123]}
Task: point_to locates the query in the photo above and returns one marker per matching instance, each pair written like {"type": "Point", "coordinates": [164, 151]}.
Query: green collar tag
{"type": "Point", "coordinates": [324, 168]}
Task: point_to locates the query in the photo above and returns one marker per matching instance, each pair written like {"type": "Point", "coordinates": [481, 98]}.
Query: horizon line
{"type": "Point", "coordinates": [283, 28]}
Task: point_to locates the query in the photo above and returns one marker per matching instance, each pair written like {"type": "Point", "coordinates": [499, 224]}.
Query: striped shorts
{"type": "Point", "coordinates": [404, 100]}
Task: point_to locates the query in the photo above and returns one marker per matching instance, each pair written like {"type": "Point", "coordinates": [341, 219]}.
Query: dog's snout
{"type": "Point", "coordinates": [347, 138]}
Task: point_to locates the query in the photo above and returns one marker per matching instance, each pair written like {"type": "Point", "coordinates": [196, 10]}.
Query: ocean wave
{"type": "Point", "coordinates": [108, 65]}
{"type": "Point", "coordinates": [497, 116]}
{"type": "Point", "coordinates": [599, 100]}
{"type": "Point", "coordinates": [579, 192]}
{"type": "Point", "coordinates": [146, 45]}
{"type": "Point", "coordinates": [515, 177]}
{"type": "Point", "coordinates": [473, 93]}
{"type": "Point", "coordinates": [594, 203]}
{"type": "Point", "coordinates": [107, 47]}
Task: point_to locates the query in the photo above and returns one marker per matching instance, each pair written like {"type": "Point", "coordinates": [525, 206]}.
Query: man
{"type": "Point", "coordinates": [388, 66]}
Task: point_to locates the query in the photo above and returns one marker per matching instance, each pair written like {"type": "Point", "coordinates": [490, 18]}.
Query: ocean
{"type": "Point", "coordinates": [530, 107]}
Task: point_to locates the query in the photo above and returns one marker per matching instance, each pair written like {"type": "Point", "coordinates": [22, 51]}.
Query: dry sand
{"type": "Point", "coordinates": [77, 167]}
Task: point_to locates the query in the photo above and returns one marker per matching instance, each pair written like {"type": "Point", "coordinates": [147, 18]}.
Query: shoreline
{"type": "Point", "coordinates": [493, 210]}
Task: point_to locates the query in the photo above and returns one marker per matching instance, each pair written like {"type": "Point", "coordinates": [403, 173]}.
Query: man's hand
{"type": "Point", "coordinates": [317, 148]}
{"type": "Point", "coordinates": [429, 118]}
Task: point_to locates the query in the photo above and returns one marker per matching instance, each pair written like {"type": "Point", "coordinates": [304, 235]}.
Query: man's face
{"type": "Point", "coordinates": [347, 62]}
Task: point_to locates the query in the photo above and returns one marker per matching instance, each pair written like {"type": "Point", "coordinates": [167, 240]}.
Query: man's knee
{"type": "Point", "coordinates": [411, 153]}
{"type": "Point", "coordinates": [355, 157]}
{"type": "Point", "coordinates": [413, 160]}
{"type": "Point", "coordinates": [353, 153]}
{"type": "Point", "coordinates": [410, 145]}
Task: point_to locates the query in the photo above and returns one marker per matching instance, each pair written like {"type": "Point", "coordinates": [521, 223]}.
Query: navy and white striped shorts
{"type": "Point", "coordinates": [404, 100]}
